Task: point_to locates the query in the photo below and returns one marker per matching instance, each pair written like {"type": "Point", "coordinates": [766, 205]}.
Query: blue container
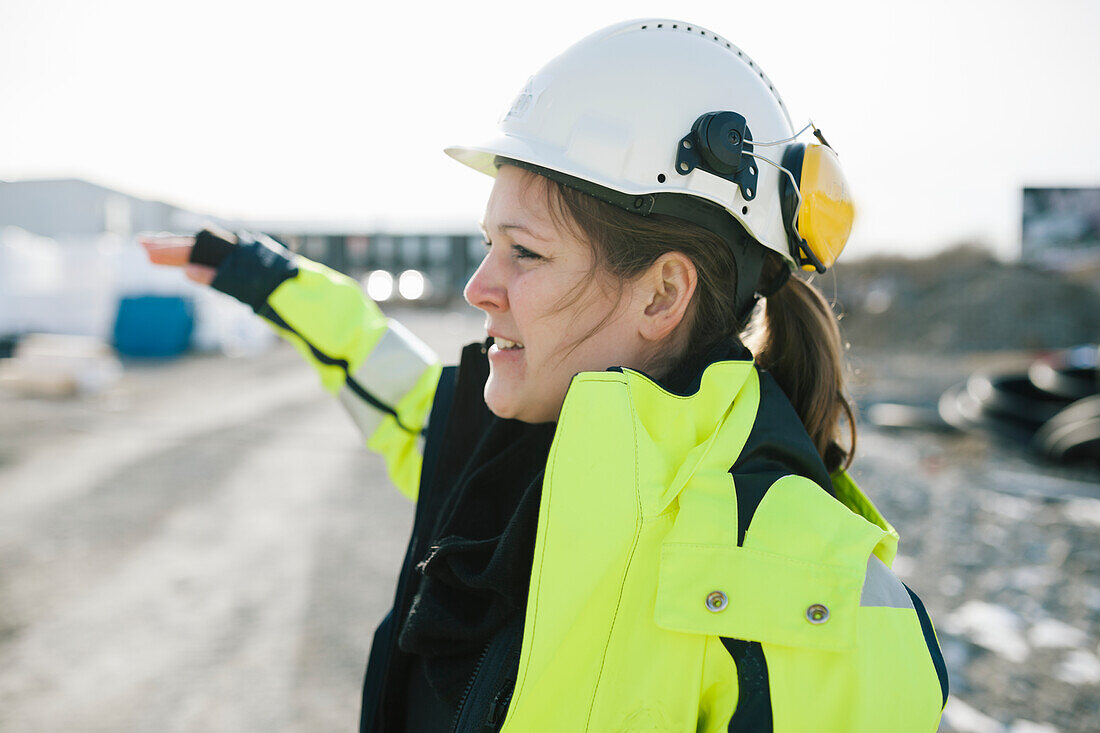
{"type": "Point", "coordinates": [153, 325]}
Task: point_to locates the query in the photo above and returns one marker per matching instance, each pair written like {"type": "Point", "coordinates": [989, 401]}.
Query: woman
{"type": "Point", "coordinates": [625, 521]}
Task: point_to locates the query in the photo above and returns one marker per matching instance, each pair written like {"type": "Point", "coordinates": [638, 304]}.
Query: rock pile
{"type": "Point", "coordinates": [962, 300]}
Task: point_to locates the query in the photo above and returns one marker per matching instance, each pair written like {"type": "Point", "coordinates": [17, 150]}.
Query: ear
{"type": "Point", "coordinates": [666, 289]}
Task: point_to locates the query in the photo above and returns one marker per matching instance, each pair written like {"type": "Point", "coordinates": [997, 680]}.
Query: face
{"type": "Point", "coordinates": [548, 318]}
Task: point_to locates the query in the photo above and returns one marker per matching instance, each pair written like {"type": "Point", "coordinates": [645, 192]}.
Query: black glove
{"type": "Point", "coordinates": [248, 268]}
{"type": "Point", "coordinates": [212, 246]}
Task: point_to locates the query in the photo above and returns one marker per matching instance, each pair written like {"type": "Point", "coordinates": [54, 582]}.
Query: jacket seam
{"type": "Point", "coordinates": [626, 570]}
{"type": "Point", "coordinates": [649, 380]}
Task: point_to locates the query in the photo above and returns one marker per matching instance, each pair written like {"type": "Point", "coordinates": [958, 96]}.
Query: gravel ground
{"type": "Point", "coordinates": [1004, 551]}
{"type": "Point", "coordinates": [207, 547]}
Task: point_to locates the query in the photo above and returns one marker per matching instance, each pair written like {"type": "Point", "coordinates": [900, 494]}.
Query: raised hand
{"type": "Point", "coordinates": [174, 250]}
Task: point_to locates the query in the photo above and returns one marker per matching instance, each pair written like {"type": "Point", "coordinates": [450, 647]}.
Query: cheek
{"type": "Point", "coordinates": [593, 335]}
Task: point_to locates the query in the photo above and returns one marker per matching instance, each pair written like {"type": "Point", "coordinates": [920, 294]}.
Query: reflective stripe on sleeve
{"type": "Point", "coordinates": [882, 588]}
{"type": "Point", "coordinates": [366, 417]}
{"type": "Point", "coordinates": [390, 371]}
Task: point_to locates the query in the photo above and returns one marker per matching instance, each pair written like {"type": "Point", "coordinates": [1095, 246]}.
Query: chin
{"type": "Point", "coordinates": [513, 404]}
{"type": "Point", "coordinates": [498, 404]}
{"type": "Point", "coordinates": [503, 414]}
{"type": "Point", "coordinates": [510, 409]}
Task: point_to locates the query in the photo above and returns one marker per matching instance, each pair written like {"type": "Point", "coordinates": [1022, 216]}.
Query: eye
{"type": "Point", "coordinates": [518, 251]}
{"type": "Point", "coordinates": [522, 253]}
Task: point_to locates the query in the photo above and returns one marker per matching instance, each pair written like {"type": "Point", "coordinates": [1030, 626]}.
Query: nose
{"type": "Point", "coordinates": [485, 289]}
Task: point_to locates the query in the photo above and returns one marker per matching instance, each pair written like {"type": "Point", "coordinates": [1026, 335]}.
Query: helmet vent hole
{"type": "Point", "coordinates": [660, 25]}
{"type": "Point", "coordinates": [644, 27]}
{"type": "Point", "coordinates": [689, 27]}
{"type": "Point", "coordinates": [748, 191]}
{"type": "Point", "coordinates": [744, 210]}
{"type": "Point", "coordinates": [752, 170]}
{"type": "Point", "coordinates": [660, 178]}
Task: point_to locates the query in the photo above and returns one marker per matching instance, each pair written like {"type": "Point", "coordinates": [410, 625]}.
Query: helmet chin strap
{"type": "Point", "coordinates": [747, 253]}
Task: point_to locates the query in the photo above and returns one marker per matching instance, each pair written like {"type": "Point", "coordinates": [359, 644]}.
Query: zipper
{"type": "Point", "coordinates": [499, 708]}
{"type": "Point", "coordinates": [469, 687]}
{"type": "Point", "coordinates": [489, 691]}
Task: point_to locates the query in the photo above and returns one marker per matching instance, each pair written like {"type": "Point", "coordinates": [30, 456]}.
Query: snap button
{"type": "Point", "coordinates": [717, 601]}
{"type": "Point", "coordinates": [817, 614]}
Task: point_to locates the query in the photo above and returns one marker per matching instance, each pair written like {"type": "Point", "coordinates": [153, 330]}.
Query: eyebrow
{"type": "Point", "coordinates": [517, 227]}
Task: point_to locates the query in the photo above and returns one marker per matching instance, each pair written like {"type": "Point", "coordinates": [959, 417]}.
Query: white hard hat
{"type": "Point", "coordinates": [650, 112]}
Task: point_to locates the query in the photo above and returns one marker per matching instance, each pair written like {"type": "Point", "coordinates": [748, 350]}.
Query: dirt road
{"type": "Point", "coordinates": [208, 547]}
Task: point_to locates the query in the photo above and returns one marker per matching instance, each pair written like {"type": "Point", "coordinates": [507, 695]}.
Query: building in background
{"type": "Point", "coordinates": [68, 258]}
{"type": "Point", "coordinates": [69, 207]}
{"type": "Point", "coordinates": [72, 209]}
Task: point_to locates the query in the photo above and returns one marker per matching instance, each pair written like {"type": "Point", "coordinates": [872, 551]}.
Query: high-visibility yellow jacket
{"type": "Point", "coordinates": [654, 555]}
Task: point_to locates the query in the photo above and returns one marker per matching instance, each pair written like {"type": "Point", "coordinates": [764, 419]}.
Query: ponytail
{"type": "Point", "coordinates": [796, 338]}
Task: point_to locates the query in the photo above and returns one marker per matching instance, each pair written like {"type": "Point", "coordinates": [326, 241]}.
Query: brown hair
{"type": "Point", "coordinates": [795, 336]}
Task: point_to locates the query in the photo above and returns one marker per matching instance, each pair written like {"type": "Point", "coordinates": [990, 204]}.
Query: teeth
{"type": "Point", "coordinates": [506, 344]}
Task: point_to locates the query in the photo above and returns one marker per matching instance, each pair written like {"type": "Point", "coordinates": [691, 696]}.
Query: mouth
{"type": "Point", "coordinates": [499, 343]}
{"type": "Point", "coordinates": [506, 345]}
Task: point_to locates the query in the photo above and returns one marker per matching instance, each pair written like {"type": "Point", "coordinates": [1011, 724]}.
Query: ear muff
{"type": "Point", "coordinates": [819, 225]}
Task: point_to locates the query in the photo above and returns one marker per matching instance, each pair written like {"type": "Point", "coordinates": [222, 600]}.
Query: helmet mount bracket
{"type": "Point", "coordinates": [719, 143]}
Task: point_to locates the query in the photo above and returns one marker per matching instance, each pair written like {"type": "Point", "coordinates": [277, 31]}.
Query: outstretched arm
{"type": "Point", "coordinates": [379, 371]}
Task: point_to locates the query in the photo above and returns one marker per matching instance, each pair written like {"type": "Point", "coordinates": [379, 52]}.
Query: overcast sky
{"type": "Point", "coordinates": [940, 111]}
